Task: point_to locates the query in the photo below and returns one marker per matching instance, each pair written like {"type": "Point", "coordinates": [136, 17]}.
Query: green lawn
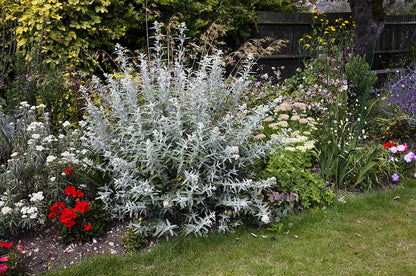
{"type": "Point", "coordinates": [371, 234]}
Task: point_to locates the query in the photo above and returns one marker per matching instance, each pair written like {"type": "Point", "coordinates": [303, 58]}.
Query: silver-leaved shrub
{"type": "Point", "coordinates": [178, 143]}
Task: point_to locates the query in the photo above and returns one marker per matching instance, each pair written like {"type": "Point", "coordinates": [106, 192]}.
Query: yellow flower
{"type": "Point", "coordinates": [307, 45]}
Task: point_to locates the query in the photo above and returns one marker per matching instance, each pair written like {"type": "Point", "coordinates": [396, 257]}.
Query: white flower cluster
{"type": "Point", "coordinates": [6, 210]}
{"type": "Point", "coordinates": [35, 148]}
{"type": "Point", "coordinates": [29, 212]}
{"type": "Point", "coordinates": [36, 197]}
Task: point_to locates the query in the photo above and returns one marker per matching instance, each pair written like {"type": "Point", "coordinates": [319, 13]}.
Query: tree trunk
{"type": "Point", "coordinates": [369, 19]}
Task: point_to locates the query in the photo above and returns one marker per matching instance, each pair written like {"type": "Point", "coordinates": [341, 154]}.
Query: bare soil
{"type": "Point", "coordinates": [45, 251]}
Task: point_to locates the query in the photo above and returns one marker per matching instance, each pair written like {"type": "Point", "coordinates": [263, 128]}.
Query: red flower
{"type": "Point", "coordinates": [87, 227]}
{"type": "Point", "coordinates": [5, 244]}
{"type": "Point", "coordinates": [78, 193]}
{"type": "Point", "coordinates": [68, 170]}
{"type": "Point", "coordinates": [81, 206]}
{"type": "Point", "coordinates": [70, 190]}
{"type": "Point", "coordinates": [68, 217]}
{"type": "Point", "coordinates": [56, 209]}
{"type": "Point", "coordinates": [388, 145]}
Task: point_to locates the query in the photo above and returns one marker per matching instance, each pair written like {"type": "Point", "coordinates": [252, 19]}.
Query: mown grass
{"type": "Point", "coordinates": [371, 234]}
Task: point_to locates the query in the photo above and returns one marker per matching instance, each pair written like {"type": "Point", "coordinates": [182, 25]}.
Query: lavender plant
{"type": "Point", "coordinates": [178, 143]}
{"type": "Point", "coordinates": [401, 95]}
{"type": "Point", "coordinates": [398, 102]}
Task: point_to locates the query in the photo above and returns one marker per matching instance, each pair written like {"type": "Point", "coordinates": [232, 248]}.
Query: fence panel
{"type": "Point", "coordinates": [399, 31]}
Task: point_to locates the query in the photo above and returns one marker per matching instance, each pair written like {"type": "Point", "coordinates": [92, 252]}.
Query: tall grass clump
{"type": "Point", "coordinates": [178, 142]}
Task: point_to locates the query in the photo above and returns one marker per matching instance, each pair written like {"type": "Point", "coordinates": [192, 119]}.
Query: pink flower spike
{"type": "Point", "coordinates": [4, 259]}
{"type": "Point", "coordinates": [3, 268]}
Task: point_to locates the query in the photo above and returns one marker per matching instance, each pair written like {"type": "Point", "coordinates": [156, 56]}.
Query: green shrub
{"type": "Point", "coordinates": [133, 241]}
{"type": "Point", "coordinates": [357, 73]}
{"type": "Point", "coordinates": [293, 175]}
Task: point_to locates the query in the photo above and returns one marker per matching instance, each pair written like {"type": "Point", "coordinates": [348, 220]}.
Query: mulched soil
{"type": "Point", "coordinates": [44, 249]}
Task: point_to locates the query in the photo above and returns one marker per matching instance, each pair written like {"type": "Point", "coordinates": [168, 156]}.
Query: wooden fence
{"type": "Point", "coordinates": [398, 32]}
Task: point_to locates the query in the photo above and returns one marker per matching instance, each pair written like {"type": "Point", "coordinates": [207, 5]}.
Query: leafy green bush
{"type": "Point", "coordinates": [291, 170]}
{"type": "Point", "coordinates": [75, 30]}
{"type": "Point", "coordinates": [70, 28]}
{"type": "Point", "coordinates": [132, 240]}
{"type": "Point", "coordinates": [357, 73]}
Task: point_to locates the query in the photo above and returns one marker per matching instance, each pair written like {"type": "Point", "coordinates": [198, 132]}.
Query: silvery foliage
{"type": "Point", "coordinates": [178, 144]}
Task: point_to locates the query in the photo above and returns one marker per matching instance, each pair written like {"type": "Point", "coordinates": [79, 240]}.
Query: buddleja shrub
{"type": "Point", "coordinates": [178, 143]}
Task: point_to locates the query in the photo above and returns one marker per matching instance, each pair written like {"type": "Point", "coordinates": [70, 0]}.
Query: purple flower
{"type": "Point", "coordinates": [409, 157]}
{"type": "Point", "coordinates": [395, 177]}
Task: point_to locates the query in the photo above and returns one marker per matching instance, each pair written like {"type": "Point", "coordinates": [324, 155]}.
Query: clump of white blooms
{"type": "Point", "coordinates": [28, 181]}
{"type": "Point", "coordinates": [177, 143]}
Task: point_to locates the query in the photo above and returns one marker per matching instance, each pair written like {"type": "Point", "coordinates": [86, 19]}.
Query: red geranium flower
{"type": "Point", "coordinates": [87, 227]}
{"type": "Point", "coordinates": [68, 170]}
{"type": "Point", "coordinates": [68, 217]}
{"type": "Point", "coordinates": [70, 190]}
{"type": "Point", "coordinates": [78, 193]}
{"type": "Point", "coordinates": [56, 208]}
{"type": "Point", "coordinates": [388, 145]}
{"type": "Point", "coordinates": [81, 206]}
{"type": "Point", "coordinates": [5, 244]}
